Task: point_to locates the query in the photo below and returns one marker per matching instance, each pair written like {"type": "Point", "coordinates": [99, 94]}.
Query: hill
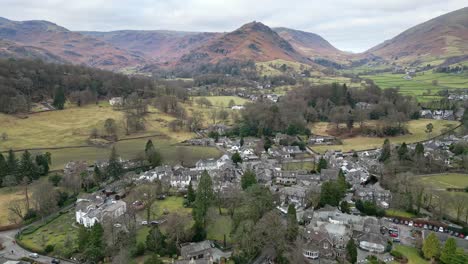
{"type": "Point", "coordinates": [310, 44]}
{"type": "Point", "coordinates": [442, 37]}
{"type": "Point", "coordinates": [253, 41]}
{"type": "Point", "coordinates": [46, 39]}
{"type": "Point", "coordinates": [161, 45]}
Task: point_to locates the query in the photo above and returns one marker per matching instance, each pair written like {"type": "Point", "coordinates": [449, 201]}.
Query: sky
{"type": "Point", "coordinates": [350, 25]}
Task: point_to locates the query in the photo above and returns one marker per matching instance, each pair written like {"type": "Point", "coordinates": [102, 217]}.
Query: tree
{"type": "Point", "coordinates": [27, 167]}
{"type": "Point", "coordinates": [236, 158]}
{"type": "Point", "coordinates": [429, 128]}
{"type": "Point", "coordinates": [248, 179]}
{"type": "Point", "coordinates": [3, 168]}
{"type": "Point", "coordinates": [403, 152]}
{"type": "Point", "coordinates": [12, 164]}
{"type": "Point", "coordinates": [292, 229]}
{"type": "Point", "coordinates": [203, 200]}
{"type": "Point", "coordinates": [190, 193]}
{"type": "Point", "coordinates": [156, 241]}
{"type": "Point", "coordinates": [148, 194]}
{"type": "Point", "coordinates": [431, 247]}
{"type": "Point", "coordinates": [351, 250]}
{"type": "Point", "coordinates": [110, 126]}
{"type": "Point", "coordinates": [344, 206]}
{"type": "Point", "coordinates": [322, 164]}
{"type": "Point", "coordinates": [44, 198]}
{"type": "Point", "coordinates": [152, 155]}
{"type": "Point", "coordinates": [464, 119]}
{"type": "Point", "coordinates": [449, 251]}
{"type": "Point", "coordinates": [59, 98]}
{"type": "Point", "coordinates": [114, 168]}
{"type": "Point", "coordinates": [419, 149]}
{"type": "Point", "coordinates": [223, 115]}
{"type": "Point", "coordinates": [231, 103]}
{"type": "Point", "coordinates": [386, 151]}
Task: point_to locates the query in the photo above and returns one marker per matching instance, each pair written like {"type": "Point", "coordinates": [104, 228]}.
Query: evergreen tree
{"type": "Point", "coordinates": [12, 164]}
{"type": "Point", "coordinates": [236, 158]}
{"type": "Point", "coordinates": [43, 162]}
{"type": "Point", "coordinates": [248, 179]}
{"type": "Point", "coordinates": [322, 164]}
{"type": "Point", "coordinates": [419, 150]}
{"type": "Point", "coordinates": [98, 177]}
{"type": "Point", "coordinates": [241, 141]}
{"type": "Point", "coordinates": [386, 151]}
{"type": "Point", "coordinates": [59, 98]}
{"type": "Point", "coordinates": [403, 152]}
{"type": "Point", "coordinates": [449, 251]}
{"type": "Point", "coordinates": [464, 119]}
{"type": "Point", "coordinates": [156, 241]}
{"type": "Point", "coordinates": [3, 168]}
{"type": "Point", "coordinates": [152, 155]}
{"type": "Point", "coordinates": [460, 257]}
{"type": "Point", "coordinates": [292, 229]}
{"type": "Point", "coordinates": [431, 247]}
{"type": "Point", "coordinates": [351, 250]}
{"type": "Point", "coordinates": [203, 200]}
{"type": "Point", "coordinates": [344, 206]}
{"type": "Point", "coordinates": [114, 168]}
{"type": "Point", "coordinates": [190, 193]}
{"type": "Point", "coordinates": [342, 183]}
{"type": "Point", "coordinates": [27, 168]}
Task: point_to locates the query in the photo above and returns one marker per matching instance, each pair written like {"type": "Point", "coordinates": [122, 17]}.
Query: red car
{"type": "Point", "coordinates": [394, 234]}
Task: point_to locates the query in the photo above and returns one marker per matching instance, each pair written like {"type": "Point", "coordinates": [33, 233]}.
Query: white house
{"type": "Point", "coordinates": [116, 101]}
{"type": "Point", "coordinates": [96, 208]}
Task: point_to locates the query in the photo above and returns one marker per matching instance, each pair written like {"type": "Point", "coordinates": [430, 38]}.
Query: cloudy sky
{"type": "Point", "coordinates": [351, 25]}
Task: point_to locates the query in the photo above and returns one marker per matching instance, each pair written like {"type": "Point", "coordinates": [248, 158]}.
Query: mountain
{"type": "Point", "coordinates": [442, 37]}
{"type": "Point", "coordinates": [161, 45]}
{"type": "Point", "coordinates": [253, 41]}
{"type": "Point", "coordinates": [309, 44]}
{"type": "Point", "coordinates": [44, 38]}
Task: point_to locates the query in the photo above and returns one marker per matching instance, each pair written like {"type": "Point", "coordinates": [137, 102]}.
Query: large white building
{"type": "Point", "coordinates": [96, 208]}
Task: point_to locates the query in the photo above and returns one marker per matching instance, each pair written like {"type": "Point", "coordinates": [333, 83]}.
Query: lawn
{"type": "Point", "coordinates": [411, 253]}
{"type": "Point", "coordinates": [8, 195]}
{"type": "Point", "coordinates": [54, 233]}
{"type": "Point", "coordinates": [398, 213]}
{"type": "Point", "coordinates": [305, 165]}
{"type": "Point", "coordinates": [218, 227]}
{"type": "Point", "coordinates": [416, 133]}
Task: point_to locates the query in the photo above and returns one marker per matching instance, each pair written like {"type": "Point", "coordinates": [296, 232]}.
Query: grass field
{"type": "Point", "coordinates": [292, 166]}
{"type": "Point", "coordinates": [416, 133]}
{"type": "Point", "coordinates": [398, 213]}
{"type": "Point", "coordinates": [271, 68]}
{"type": "Point", "coordinates": [411, 253]}
{"type": "Point", "coordinates": [54, 233]}
{"type": "Point", "coordinates": [72, 126]}
{"type": "Point", "coordinates": [222, 101]}
{"type": "Point", "coordinates": [436, 184]}
{"type": "Point", "coordinates": [421, 85]}
{"type": "Point", "coordinates": [8, 195]}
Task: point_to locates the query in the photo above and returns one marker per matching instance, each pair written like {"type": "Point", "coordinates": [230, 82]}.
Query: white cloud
{"type": "Point", "coordinates": [354, 25]}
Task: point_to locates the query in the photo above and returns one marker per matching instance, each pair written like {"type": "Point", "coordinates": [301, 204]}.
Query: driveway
{"type": "Point", "coordinates": [15, 252]}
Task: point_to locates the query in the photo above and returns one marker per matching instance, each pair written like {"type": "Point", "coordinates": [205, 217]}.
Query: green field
{"type": "Point", "coordinates": [411, 253]}
{"type": "Point", "coordinates": [416, 133]}
{"type": "Point", "coordinates": [222, 101]}
{"type": "Point", "coordinates": [54, 233]}
{"type": "Point", "coordinates": [421, 85]}
{"type": "Point", "coordinates": [437, 184]}
{"type": "Point", "coordinates": [398, 213]}
{"type": "Point", "coordinates": [292, 166]}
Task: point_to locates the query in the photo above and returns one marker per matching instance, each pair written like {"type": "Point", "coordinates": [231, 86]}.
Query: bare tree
{"type": "Point", "coordinates": [45, 199]}
{"type": "Point", "coordinates": [16, 211]}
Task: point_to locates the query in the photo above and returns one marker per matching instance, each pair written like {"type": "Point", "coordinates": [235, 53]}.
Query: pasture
{"type": "Point", "coordinates": [222, 101]}
{"type": "Point", "coordinates": [413, 255]}
{"type": "Point", "coordinates": [421, 86]}
{"type": "Point", "coordinates": [416, 133]}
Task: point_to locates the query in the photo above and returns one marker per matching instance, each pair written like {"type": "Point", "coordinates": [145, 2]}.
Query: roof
{"type": "Point", "coordinates": [329, 174]}
{"type": "Point", "coordinates": [190, 248]}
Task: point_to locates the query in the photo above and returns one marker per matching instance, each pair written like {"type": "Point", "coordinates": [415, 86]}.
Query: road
{"type": "Point", "coordinates": [7, 238]}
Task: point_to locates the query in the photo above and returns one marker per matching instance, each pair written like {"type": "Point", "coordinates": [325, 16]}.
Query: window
{"type": "Point", "coordinates": [325, 245]}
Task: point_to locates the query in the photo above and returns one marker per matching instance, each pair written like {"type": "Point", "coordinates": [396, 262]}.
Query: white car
{"type": "Point", "coordinates": [34, 255]}
{"type": "Point", "coordinates": [441, 229]}
{"type": "Point", "coordinates": [144, 222]}
{"type": "Point", "coordinates": [410, 223]}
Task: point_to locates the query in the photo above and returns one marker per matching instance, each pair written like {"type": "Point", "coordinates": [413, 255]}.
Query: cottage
{"type": "Point", "coordinates": [293, 195]}
{"type": "Point", "coordinates": [292, 150]}
{"type": "Point", "coordinates": [374, 193]}
{"type": "Point", "coordinates": [286, 177]}
{"type": "Point", "coordinates": [201, 252]}
{"type": "Point", "coordinates": [329, 174]}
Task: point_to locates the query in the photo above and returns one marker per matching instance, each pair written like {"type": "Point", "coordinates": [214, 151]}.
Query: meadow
{"type": "Point", "coordinates": [413, 255]}
{"type": "Point", "coordinates": [416, 133]}
{"type": "Point", "coordinates": [421, 85]}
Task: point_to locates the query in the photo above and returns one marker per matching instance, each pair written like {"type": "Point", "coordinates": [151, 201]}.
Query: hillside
{"type": "Point", "coordinates": [310, 44]}
{"type": "Point", "coordinates": [45, 39]}
{"type": "Point", "coordinates": [442, 37]}
{"type": "Point", "coordinates": [253, 41]}
{"type": "Point", "coordinates": [160, 45]}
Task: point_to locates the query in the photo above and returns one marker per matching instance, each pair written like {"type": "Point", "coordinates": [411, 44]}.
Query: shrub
{"type": "Point", "coordinates": [49, 248]}
{"type": "Point", "coordinates": [138, 250]}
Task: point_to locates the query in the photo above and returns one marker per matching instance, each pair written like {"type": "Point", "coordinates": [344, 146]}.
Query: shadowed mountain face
{"type": "Point", "coordinates": [55, 41]}
{"type": "Point", "coordinates": [443, 36]}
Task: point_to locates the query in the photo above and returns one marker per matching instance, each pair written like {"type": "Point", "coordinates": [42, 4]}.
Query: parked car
{"type": "Point", "coordinates": [55, 261]}
{"type": "Point", "coordinates": [144, 222]}
{"type": "Point", "coordinates": [441, 229]}
{"type": "Point", "coordinates": [33, 255]}
{"type": "Point", "coordinates": [425, 226]}
{"type": "Point", "coordinates": [410, 223]}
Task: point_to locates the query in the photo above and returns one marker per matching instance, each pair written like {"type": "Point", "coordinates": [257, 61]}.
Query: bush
{"type": "Point", "coordinates": [49, 248]}
{"type": "Point", "coordinates": [138, 250]}
{"type": "Point", "coordinates": [399, 256]}
{"type": "Point", "coordinates": [30, 214]}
